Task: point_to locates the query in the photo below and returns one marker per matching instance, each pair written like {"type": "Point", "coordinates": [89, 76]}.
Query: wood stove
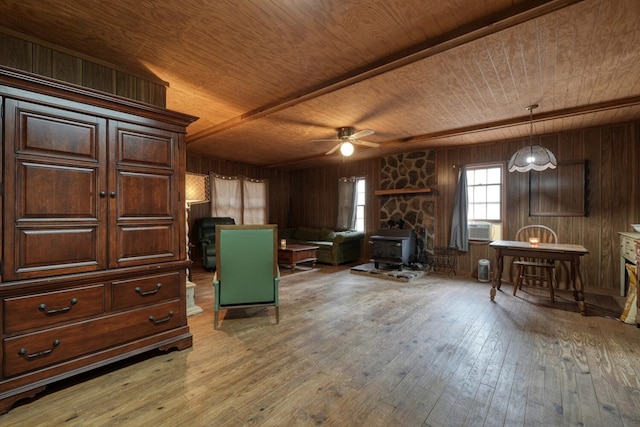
{"type": "Point", "coordinates": [393, 246]}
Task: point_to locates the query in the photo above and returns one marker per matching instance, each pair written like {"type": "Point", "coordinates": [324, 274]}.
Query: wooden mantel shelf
{"type": "Point", "coordinates": [402, 191]}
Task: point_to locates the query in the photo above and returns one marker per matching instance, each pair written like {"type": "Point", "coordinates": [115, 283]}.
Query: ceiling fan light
{"type": "Point", "coordinates": [532, 157]}
{"type": "Point", "coordinates": [346, 149]}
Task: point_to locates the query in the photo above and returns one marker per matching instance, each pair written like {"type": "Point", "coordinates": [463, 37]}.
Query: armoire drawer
{"type": "Point", "coordinates": [27, 352]}
{"type": "Point", "coordinates": [145, 290]}
{"type": "Point", "coordinates": [40, 310]}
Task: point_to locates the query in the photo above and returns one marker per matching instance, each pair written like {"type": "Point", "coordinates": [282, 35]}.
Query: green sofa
{"type": "Point", "coordinates": [334, 247]}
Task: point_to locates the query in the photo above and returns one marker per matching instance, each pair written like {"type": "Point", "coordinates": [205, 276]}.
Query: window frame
{"type": "Point", "coordinates": [500, 224]}
{"type": "Point", "coordinates": [362, 193]}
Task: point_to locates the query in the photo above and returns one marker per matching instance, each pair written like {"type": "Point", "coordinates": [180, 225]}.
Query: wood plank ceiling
{"type": "Point", "coordinates": [267, 76]}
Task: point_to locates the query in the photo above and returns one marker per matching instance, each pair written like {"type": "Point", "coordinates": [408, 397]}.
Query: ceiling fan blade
{"type": "Point", "coordinates": [366, 143]}
{"type": "Point", "coordinates": [334, 149]}
{"type": "Point", "coordinates": [362, 133]}
{"type": "Point", "coordinates": [325, 140]}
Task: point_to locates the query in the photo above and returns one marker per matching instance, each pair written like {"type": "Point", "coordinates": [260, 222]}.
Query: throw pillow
{"type": "Point", "coordinates": [327, 234]}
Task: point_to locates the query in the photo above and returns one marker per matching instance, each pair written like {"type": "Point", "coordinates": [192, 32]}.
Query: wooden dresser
{"type": "Point", "coordinates": [637, 275]}
{"type": "Point", "coordinates": [93, 232]}
{"type": "Point", "coordinates": [627, 255]}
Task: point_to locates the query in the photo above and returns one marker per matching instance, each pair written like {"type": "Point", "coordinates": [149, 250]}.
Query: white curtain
{"type": "Point", "coordinates": [226, 197]}
{"type": "Point", "coordinates": [243, 199]}
{"type": "Point", "coordinates": [255, 202]}
{"type": "Point", "coordinates": [459, 232]}
{"type": "Point", "coordinates": [347, 199]}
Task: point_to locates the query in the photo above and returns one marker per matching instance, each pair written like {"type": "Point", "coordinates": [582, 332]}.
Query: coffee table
{"type": "Point", "coordinates": [291, 255]}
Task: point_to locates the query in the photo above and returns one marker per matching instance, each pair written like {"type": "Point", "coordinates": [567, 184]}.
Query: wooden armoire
{"type": "Point", "coordinates": [93, 264]}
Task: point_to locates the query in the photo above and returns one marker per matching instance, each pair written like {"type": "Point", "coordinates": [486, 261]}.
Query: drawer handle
{"type": "Point", "coordinates": [159, 321]}
{"type": "Point", "coordinates": [43, 307]}
{"type": "Point", "coordinates": [151, 292]}
{"type": "Point", "coordinates": [23, 352]}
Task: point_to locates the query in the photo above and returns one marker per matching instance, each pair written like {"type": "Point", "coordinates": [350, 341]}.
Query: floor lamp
{"type": "Point", "coordinates": [195, 192]}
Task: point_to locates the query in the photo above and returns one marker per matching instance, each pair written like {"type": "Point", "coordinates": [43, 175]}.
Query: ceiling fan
{"type": "Point", "coordinates": [347, 136]}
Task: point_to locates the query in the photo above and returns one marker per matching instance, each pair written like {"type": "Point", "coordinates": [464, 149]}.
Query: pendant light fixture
{"type": "Point", "coordinates": [532, 157]}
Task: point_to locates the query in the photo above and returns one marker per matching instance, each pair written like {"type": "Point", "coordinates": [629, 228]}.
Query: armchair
{"type": "Point", "coordinates": [247, 273]}
{"type": "Point", "coordinates": [206, 228]}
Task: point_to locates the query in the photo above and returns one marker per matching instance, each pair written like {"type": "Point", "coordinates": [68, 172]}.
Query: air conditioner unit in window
{"type": "Point", "coordinates": [479, 230]}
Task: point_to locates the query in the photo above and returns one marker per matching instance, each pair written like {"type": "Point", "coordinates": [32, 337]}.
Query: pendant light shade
{"type": "Point", "coordinates": [532, 157]}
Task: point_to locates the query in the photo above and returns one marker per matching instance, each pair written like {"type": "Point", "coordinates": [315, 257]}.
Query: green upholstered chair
{"type": "Point", "coordinates": [247, 273]}
{"type": "Point", "coordinates": [206, 228]}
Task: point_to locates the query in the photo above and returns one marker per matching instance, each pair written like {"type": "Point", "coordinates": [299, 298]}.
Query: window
{"type": "Point", "coordinates": [360, 202]}
{"type": "Point", "coordinates": [485, 195]}
{"type": "Point", "coordinates": [351, 200]}
{"type": "Point", "coordinates": [243, 199]}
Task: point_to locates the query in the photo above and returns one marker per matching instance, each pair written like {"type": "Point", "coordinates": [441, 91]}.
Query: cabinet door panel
{"type": "Point", "coordinates": [55, 250]}
{"type": "Point", "coordinates": [144, 209]}
{"type": "Point", "coordinates": [144, 244]}
{"type": "Point", "coordinates": [55, 179]}
{"type": "Point", "coordinates": [49, 131]}
{"type": "Point", "coordinates": [139, 145]}
{"type": "Point", "coordinates": [55, 191]}
{"type": "Point", "coordinates": [144, 195]}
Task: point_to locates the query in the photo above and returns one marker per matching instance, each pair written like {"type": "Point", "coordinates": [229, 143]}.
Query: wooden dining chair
{"type": "Point", "coordinates": [529, 268]}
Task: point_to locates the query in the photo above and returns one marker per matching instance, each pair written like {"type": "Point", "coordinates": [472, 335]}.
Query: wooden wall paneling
{"type": "Point", "coordinates": [603, 224]}
{"type": "Point", "coordinates": [66, 67]}
{"type": "Point", "coordinates": [150, 92]}
{"type": "Point", "coordinates": [626, 153]}
{"type": "Point", "coordinates": [15, 53]}
{"type": "Point", "coordinates": [445, 174]}
{"type": "Point", "coordinates": [125, 85]}
{"type": "Point", "coordinates": [194, 164]}
{"type": "Point", "coordinates": [592, 233]}
{"type": "Point", "coordinates": [34, 58]}
{"type": "Point", "coordinates": [98, 77]}
{"type": "Point", "coordinates": [42, 61]}
{"type": "Point", "coordinates": [515, 196]}
{"type": "Point", "coordinates": [279, 197]}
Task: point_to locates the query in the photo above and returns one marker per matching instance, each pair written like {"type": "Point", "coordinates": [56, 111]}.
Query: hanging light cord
{"type": "Point", "coordinates": [530, 108]}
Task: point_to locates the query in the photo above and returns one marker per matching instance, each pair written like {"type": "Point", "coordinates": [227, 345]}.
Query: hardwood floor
{"type": "Point", "coordinates": [358, 351]}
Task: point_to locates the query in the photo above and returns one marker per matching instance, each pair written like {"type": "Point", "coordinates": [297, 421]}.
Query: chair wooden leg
{"type": "Point", "coordinates": [550, 280]}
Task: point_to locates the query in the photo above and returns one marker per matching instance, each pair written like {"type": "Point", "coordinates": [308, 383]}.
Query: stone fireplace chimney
{"type": "Point", "coordinates": [415, 170]}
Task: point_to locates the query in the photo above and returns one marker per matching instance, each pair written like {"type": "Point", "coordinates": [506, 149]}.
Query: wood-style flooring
{"type": "Point", "coordinates": [358, 351]}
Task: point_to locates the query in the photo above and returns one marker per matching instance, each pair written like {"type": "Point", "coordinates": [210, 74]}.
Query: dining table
{"type": "Point", "coordinates": [547, 251]}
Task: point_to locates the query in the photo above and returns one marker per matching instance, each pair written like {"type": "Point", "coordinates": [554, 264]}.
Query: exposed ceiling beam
{"type": "Point", "coordinates": [521, 12]}
{"type": "Point", "coordinates": [543, 117]}
{"type": "Point", "coordinates": [485, 127]}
